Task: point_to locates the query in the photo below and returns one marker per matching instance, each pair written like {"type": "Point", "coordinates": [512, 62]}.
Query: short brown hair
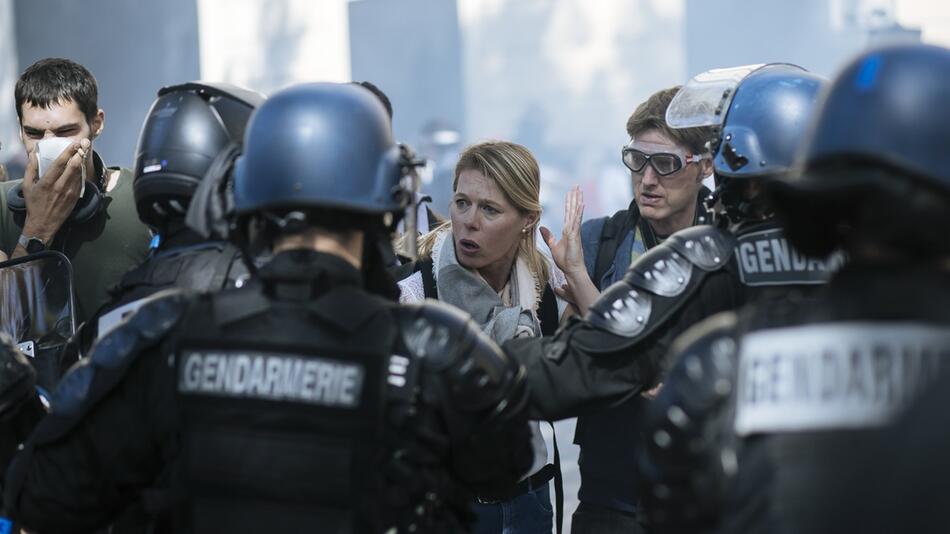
{"type": "Point", "coordinates": [651, 115]}
{"type": "Point", "coordinates": [57, 81]}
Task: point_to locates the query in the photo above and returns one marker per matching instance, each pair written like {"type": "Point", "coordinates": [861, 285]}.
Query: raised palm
{"type": "Point", "coordinates": [567, 251]}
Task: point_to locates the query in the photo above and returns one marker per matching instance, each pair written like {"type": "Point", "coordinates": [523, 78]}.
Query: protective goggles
{"type": "Point", "coordinates": [664, 163]}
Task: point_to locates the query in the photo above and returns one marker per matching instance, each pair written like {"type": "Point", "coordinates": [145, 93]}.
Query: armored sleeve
{"type": "Point", "coordinates": [108, 432]}
{"type": "Point", "coordinates": [689, 457]}
{"type": "Point", "coordinates": [480, 392]}
{"type": "Point", "coordinates": [621, 345]}
{"type": "Point", "coordinates": [21, 407]}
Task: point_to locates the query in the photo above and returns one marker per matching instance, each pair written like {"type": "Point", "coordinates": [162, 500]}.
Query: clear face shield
{"type": "Point", "coordinates": [37, 310]}
{"type": "Point", "coordinates": [705, 99]}
{"type": "Point", "coordinates": [704, 102]}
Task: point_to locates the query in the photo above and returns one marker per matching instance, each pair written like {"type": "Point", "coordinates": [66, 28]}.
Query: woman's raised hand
{"type": "Point", "coordinates": [567, 252]}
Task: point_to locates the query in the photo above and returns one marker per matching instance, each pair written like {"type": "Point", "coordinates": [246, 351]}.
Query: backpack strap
{"type": "Point", "coordinates": [428, 278]}
{"type": "Point", "coordinates": [547, 312]}
{"type": "Point", "coordinates": [223, 265]}
{"type": "Point", "coordinates": [611, 235]}
{"type": "Point", "coordinates": [424, 268]}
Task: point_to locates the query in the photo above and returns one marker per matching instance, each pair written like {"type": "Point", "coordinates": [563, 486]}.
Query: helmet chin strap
{"type": "Point", "coordinates": [727, 204]}
{"type": "Point", "coordinates": [710, 203]}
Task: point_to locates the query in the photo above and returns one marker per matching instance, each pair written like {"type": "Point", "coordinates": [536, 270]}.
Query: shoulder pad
{"type": "Point", "coordinates": [702, 377]}
{"type": "Point", "coordinates": [159, 313]}
{"type": "Point", "coordinates": [475, 371]}
{"type": "Point", "coordinates": [93, 377]}
{"type": "Point", "coordinates": [661, 271]}
{"type": "Point", "coordinates": [667, 269]}
{"type": "Point", "coordinates": [706, 247]}
{"type": "Point", "coordinates": [658, 284]}
{"type": "Point", "coordinates": [689, 452]}
{"type": "Point", "coordinates": [621, 310]}
{"type": "Point", "coordinates": [706, 355]}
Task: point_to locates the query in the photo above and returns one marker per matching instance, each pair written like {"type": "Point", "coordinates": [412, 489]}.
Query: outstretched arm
{"type": "Point", "coordinates": [582, 370]}
{"type": "Point", "coordinates": [619, 349]}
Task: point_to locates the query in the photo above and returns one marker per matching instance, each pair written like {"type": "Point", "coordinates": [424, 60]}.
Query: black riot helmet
{"type": "Point", "coordinates": [321, 147]}
{"type": "Point", "coordinates": [875, 157]}
{"type": "Point", "coordinates": [187, 128]}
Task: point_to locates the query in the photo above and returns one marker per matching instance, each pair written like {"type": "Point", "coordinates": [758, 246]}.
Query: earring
{"type": "Point", "coordinates": [524, 230]}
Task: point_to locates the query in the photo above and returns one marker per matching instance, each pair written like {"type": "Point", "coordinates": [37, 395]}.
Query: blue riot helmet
{"type": "Point", "coordinates": [322, 148]}
{"type": "Point", "coordinates": [761, 113]}
{"type": "Point", "coordinates": [876, 152]}
{"type": "Point", "coordinates": [321, 145]}
{"type": "Point", "coordinates": [766, 121]}
{"type": "Point", "coordinates": [187, 128]}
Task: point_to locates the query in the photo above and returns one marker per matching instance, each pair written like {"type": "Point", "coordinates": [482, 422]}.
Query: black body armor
{"type": "Point", "coordinates": [185, 261]}
{"type": "Point", "coordinates": [319, 393]}
{"type": "Point", "coordinates": [298, 402]}
{"type": "Point", "coordinates": [756, 425]}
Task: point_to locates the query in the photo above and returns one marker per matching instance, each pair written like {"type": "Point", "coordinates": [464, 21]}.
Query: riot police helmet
{"type": "Point", "coordinates": [320, 148]}
{"type": "Point", "coordinates": [766, 121]}
{"type": "Point", "coordinates": [187, 128]}
{"type": "Point", "coordinates": [874, 157]}
{"type": "Point", "coordinates": [760, 114]}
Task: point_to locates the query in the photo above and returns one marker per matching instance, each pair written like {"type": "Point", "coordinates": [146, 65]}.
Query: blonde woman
{"type": "Point", "coordinates": [485, 260]}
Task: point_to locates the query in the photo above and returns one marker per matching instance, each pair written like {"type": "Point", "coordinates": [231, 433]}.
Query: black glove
{"type": "Point", "coordinates": [20, 405]}
{"type": "Point", "coordinates": [17, 378]}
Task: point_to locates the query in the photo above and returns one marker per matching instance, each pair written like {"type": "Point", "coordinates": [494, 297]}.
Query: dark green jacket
{"type": "Point", "coordinates": [101, 250]}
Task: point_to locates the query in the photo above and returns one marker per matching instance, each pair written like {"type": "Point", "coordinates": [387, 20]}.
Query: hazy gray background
{"type": "Point", "coordinates": [560, 76]}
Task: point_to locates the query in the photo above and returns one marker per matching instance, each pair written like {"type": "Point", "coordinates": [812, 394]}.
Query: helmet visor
{"type": "Point", "coordinates": [704, 100]}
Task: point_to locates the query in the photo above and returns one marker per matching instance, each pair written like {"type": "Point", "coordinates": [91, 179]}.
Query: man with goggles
{"type": "Point", "coordinates": [668, 167]}
{"type": "Point", "coordinates": [693, 274]}
{"type": "Point", "coordinates": [745, 257]}
{"type": "Point", "coordinates": [772, 415]}
{"type": "Point", "coordinates": [754, 118]}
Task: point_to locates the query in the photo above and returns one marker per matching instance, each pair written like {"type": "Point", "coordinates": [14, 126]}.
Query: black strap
{"type": "Point", "coordinates": [558, 484]}
{"type": "Point", "coordinates": [424, 268]}
{"type": "Point", "coordinates": [649, 237]}
{"type": "Point", "coordinates": [547, 312]}
{"type": "Point", "coordinates": [429, 289]}
{"type": "Point", "coordinates": [611, 235]}
{"type": "Point", "coordinates": [548, 315]}
{"type": "Point", "coordinates": [223, 264]}
{"type": "Point", "coordinates": [617, 227]}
